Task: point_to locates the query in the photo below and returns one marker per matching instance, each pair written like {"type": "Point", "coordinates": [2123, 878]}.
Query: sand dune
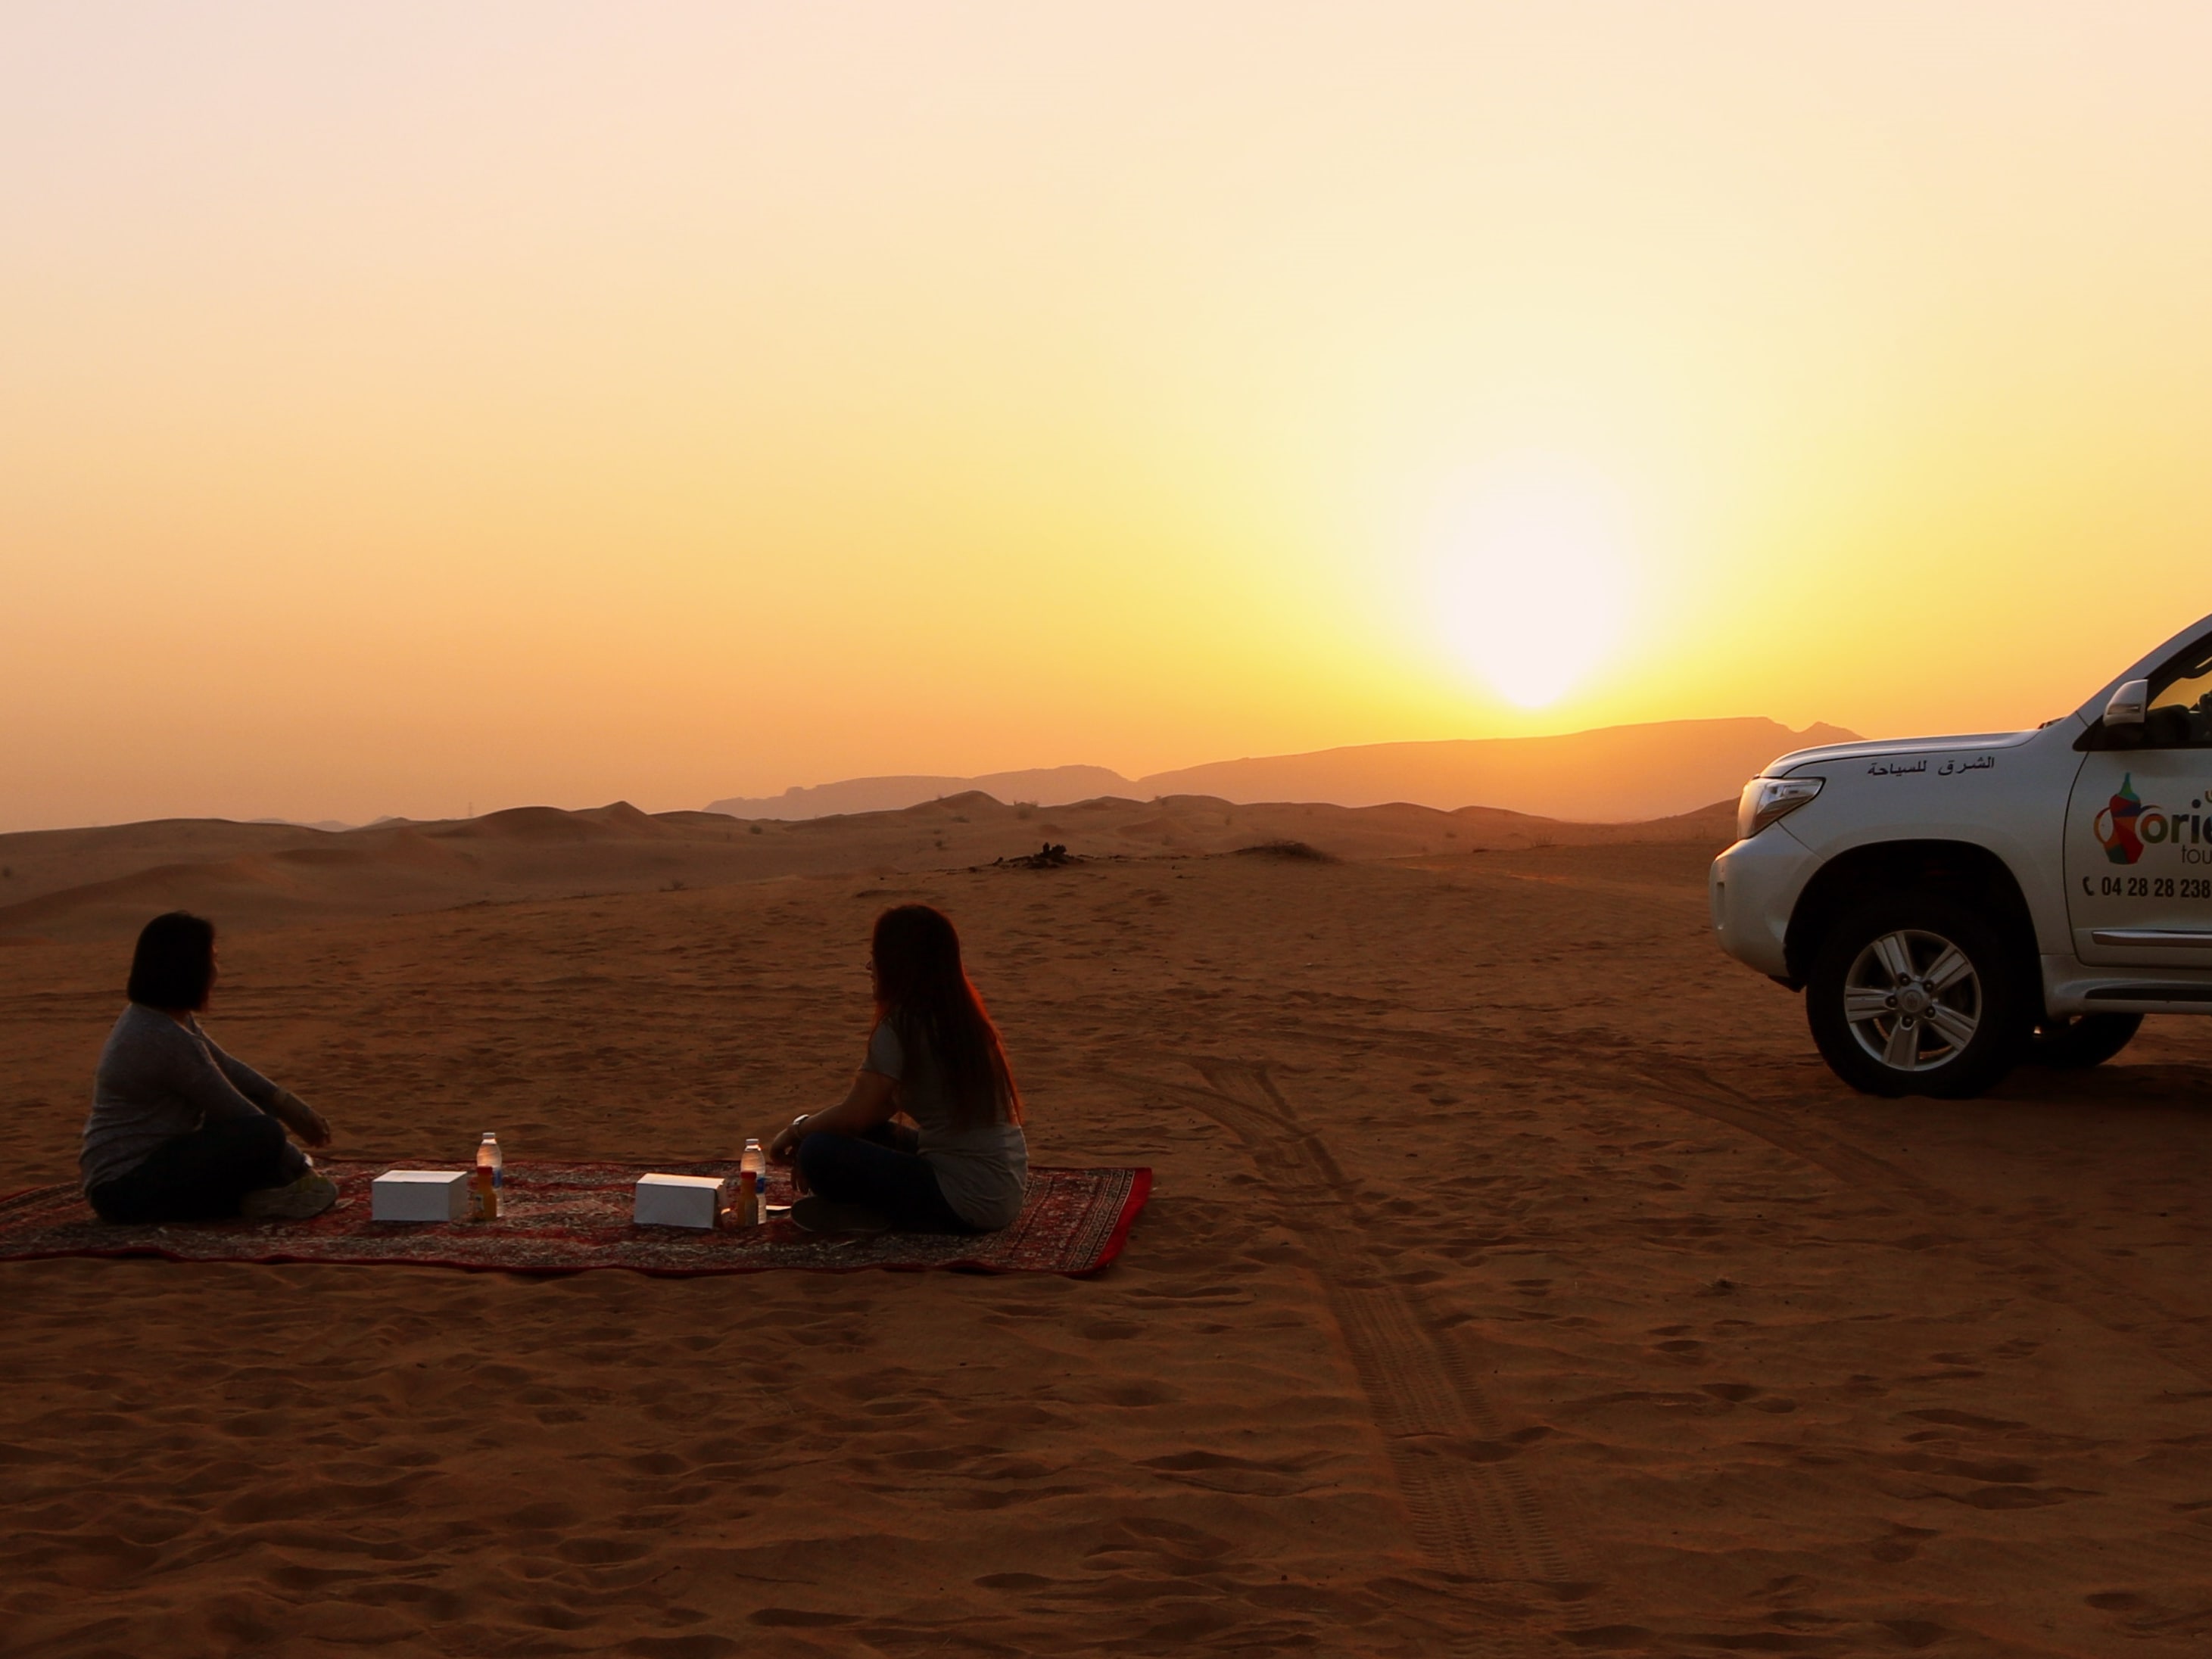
{"type": "Point", "coordinates": [1616, 774]}
{"type": "Point", "coordinates": [36, 862]}
{"type": "Point", "coordinates": [105, 883]}
{"type": "Point", "coordinates": [1517, 1282]}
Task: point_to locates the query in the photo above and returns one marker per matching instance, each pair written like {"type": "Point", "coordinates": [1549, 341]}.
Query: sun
{"type": "Point", "coordinates": [1529, 570]}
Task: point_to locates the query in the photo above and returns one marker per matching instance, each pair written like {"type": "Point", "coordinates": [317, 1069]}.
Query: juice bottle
{"type": "Point", "coordinates": [484, 1185]}
{"type": "Point", "coordinates": [741, 1200]}
{"type": "Point", "coordinates": [752, 1182]}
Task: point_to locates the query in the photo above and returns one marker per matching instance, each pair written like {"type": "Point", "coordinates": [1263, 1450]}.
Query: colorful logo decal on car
{"type": "Point", "coordinates": [2127, 826]}
{"type": "Point", "coordinates": [2115, 824]}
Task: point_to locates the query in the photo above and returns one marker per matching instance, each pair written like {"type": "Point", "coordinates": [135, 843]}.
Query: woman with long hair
{"type": "Point", "coordinates": [180, 1131]}
{"type": "Point", "coordinates": [934, 1055]}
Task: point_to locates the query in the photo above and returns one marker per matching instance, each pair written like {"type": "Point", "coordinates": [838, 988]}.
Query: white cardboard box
{"type": "Point", "coordinates": [419, 1195]}
{"type": "Point", "coordinates": [667, 1200]}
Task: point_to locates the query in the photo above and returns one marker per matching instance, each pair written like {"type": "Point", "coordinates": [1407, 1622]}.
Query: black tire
{"type": "Point", "coordinates": [1960, 1028]}
{"type": "Point", "coordinates": [2075, 1042]}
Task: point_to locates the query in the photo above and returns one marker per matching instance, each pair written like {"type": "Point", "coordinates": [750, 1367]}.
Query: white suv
{"type": "Point", "coordinates": [1948, 905]}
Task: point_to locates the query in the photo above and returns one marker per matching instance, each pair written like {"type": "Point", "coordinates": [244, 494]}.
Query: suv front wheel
{"type": "Point", "coordinates": [1915, 994]}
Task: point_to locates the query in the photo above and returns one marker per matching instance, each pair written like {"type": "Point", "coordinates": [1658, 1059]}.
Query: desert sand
{"type": "Point", "coordinates": [1517, 1281]}
{"type": "Point", "coordinates": [104, 883]}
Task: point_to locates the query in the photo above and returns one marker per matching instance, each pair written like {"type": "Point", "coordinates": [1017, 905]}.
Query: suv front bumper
{"type": "Point", "coordinates": [1754, 887]}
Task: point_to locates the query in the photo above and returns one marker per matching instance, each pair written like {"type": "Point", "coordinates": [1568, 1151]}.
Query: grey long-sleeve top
{"type": "Point", "coordinates": [157, 1080]}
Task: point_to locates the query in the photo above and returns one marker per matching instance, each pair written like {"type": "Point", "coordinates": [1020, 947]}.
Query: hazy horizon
{"type": "Point", "coordinates": [1653, 771]}
{"type": "Point", "coordinates": [421, 406]}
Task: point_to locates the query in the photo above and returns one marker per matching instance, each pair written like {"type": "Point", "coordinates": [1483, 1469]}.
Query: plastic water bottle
{"type": "Point", "coordinates": [754, 1161]}
{"type": "Point", "coordinates": [488, 1181]}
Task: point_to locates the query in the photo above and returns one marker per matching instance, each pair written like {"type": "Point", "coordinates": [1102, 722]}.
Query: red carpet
{"type": "Point", "coordinates": [569, 1217]}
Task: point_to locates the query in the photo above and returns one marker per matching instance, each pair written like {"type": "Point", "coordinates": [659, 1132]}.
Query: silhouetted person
{"type": "Point", "coordinates": [180, 1131]}
{"type": "Point", "coordinates": [933, 1054]}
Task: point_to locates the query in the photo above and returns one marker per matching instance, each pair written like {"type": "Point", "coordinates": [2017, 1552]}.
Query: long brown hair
{"type": "Point", "coordinates": [925, 993]}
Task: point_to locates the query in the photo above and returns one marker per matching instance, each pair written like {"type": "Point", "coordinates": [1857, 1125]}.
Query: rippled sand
{"type": "Point", "coordinates": [1517, 1281]}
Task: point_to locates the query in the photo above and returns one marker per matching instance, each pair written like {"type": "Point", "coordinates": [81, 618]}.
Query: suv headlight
{"type": "Point", "coordinates": [1769, 800]}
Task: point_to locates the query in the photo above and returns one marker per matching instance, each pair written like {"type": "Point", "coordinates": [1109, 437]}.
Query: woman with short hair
{"type": "Point", "coordinates": [180, 1131]}
{"type": "Point", "coordinates": [934, 1055]}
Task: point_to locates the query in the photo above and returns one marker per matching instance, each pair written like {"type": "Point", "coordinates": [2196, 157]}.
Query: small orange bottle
{"type": "Point", "coordinates": [484, 1185]}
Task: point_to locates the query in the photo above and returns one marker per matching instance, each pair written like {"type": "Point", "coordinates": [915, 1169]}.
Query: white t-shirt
{"type": "Point", "coordinates": [983, 1170]}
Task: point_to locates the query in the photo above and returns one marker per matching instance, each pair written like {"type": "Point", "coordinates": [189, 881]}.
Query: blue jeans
{"type": "Point", "coordinates": [879, 1171]}
{"type": "Point", "coordinates": [201, 1176]}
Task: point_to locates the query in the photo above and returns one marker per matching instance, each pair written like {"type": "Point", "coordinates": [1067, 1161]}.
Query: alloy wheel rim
{"type": "Point", "coordinates": [1913, 999]}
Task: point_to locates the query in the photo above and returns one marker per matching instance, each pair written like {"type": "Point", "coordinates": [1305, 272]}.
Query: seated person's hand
{"type": "Point", "coordinates": [784, 1146]}
{"type": "Point", "coordinates": [303, 1119]}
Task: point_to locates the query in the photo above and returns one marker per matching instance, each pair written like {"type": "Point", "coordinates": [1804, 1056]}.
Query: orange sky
{"type": "Point", "coordinates": [409, 407]}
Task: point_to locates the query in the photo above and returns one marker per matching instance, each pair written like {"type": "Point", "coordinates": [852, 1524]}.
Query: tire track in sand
{"type": "Point", "coordinates": [1475, 1513]}
{"type": "Point", "coordinates": [2061, 1277]}
{"type": "Point", "coordinates": [2182, 1340]}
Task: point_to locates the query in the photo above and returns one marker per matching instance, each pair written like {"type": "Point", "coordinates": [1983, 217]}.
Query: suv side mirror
{"type": "Point", "coordinates": [2127, 703]}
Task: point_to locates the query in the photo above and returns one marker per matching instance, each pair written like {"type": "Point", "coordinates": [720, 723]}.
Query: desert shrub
{"type": "Point", "coordinates": [1287, 849]}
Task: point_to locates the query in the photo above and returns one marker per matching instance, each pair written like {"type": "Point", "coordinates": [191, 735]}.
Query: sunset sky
{"type": "Point", "coordinates": [405, 408]}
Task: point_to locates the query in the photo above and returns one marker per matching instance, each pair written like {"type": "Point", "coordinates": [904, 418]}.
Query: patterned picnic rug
{"type": "Point", "coordinates": [569, 1217]}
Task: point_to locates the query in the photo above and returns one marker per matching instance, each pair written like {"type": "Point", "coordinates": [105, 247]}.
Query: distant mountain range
{"type": "Point", "coordinates": [1043, 785]}
{"type": "Point", "coordinates": [1615, 775]}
